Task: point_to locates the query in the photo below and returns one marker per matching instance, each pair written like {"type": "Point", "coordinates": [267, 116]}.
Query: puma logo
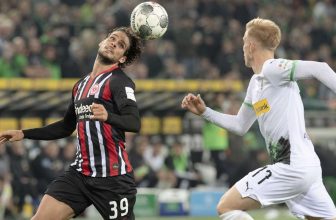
{"type": "Point", "coordinates": [247, 186]}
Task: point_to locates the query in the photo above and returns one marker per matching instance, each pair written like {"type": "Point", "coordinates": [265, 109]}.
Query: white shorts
{"type": "Point", "coordinates": [301, 188]}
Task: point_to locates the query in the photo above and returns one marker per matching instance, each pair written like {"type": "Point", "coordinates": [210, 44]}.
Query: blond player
{"type": "Point", "coordinates": [273, 98]}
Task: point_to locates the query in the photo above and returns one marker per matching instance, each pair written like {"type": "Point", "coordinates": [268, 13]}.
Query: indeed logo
{"type": "Point", "coordinates": [82, 109]}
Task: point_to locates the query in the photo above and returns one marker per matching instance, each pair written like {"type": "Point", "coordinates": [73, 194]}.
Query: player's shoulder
{"type": "Point", "coordinates": [120, 78]}
{"type": "Point", "coordinates": [84, 78]}
{"type": "Point", "coordinates": [279, 64]}
{"type": "Point", "coordinates": [278, 71]}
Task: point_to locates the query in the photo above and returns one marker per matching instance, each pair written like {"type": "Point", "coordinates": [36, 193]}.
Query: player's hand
{"type": "Point", "coordinates": [98, 112]}
{"type": "Point", "coordinates": [194, 104]}
{"type": "Point", "coordinates": [11, 135]}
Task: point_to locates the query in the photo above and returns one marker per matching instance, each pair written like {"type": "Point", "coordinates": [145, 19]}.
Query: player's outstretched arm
{"type": "Point", "coordinates": [11, 135]}
{"type": "Point", "coordinates": [239, 123]}
{"type": "Point", "coordinates": [318, 70]}
{"type": "Point", "coordinates": [60, 129]}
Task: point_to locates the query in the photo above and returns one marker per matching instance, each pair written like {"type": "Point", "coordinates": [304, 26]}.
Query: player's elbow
{"type": "Point", "coordinates": [241, 131]}
{"type": "Point", "coordinates": [68, 133]}
{"type": "Point", "coordinates": [68, 130]}
{"type": "Point", "coordinates": [324, 67]}
{"type": "Point", "coordinates": [135, 126]}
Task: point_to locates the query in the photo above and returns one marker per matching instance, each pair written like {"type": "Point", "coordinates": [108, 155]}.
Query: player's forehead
{"type": "Point", "coordinates": [120, 36]}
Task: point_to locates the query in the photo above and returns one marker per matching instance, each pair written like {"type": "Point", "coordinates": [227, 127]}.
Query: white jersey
{"type": "Point", "coordinates": [275, 97]}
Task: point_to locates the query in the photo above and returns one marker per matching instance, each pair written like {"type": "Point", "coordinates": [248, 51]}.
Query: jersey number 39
{"type": "Point", "coordinates": [123, 206]}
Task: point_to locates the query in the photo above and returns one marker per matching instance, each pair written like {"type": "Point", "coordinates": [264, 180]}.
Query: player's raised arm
{"type": "Point", "coordinates": [238, 124]}
{"type": "Point", "coordinates": [318, 70]}
{"type": "Point", "coordinates": [128, 117]}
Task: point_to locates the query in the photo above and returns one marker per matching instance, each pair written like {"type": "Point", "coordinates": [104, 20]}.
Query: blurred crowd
{"type": "Point", "coordinates": [58, 38]}
{"type": "Point", "coordinates": [26, 168]}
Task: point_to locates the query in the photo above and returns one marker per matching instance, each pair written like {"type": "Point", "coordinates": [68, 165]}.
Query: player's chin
{"type": "Point", "coordinates": [105, 59]}
{"type": "Point", "coordinates": [247, 64]}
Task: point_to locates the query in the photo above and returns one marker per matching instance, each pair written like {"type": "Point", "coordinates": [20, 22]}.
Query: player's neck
{"type": "Point", "coordinates": [260, 58]}
{"type": "Point", "coordinates": [99, 68]}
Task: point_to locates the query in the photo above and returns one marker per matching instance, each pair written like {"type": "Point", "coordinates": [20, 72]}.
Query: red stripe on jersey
{"type": "Point", "coordinates": [107, 91]}
{"type": "Point", "coordinates": [85, 163]}
{"type": "Point", "coordinates": [125, 155]}
{"type": "Point", "coordinates": [91, 80]}
{"type": "Point", "coordinates": [113, 154]}
{"type": "Point", "coordinates": [109, 70]}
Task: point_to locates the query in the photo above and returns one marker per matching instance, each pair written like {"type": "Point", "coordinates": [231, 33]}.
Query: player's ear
{"type": "Point", "coordinates": [123, 59]}
{"type": "Point", "coordinates": [251, 47]}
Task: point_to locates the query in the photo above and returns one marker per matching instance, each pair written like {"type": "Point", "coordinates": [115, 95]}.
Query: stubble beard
{"type": "Point", "coordinates": [105, 60]}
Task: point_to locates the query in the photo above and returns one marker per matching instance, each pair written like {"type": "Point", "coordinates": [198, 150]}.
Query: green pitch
{"type": "Point", "coordinates": [262, 214]}
{"type": "Point", "coordinates": [258, 215]}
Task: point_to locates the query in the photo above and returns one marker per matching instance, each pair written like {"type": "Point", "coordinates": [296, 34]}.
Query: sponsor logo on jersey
{"type": "Point", "coordinates": [285, 64]}
{"type": "Point", "coordinates": [94, 89]}
{"type": "Point", "coordinates": [115, 166]}
{"type": "Point", "coordinates": [83, 111]}
{"type": "Point", "coordinates": [261, 107]}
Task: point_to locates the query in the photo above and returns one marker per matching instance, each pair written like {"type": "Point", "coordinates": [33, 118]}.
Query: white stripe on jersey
{"type": "Point", "coordinates": [81, 87]}
{"type": "Point", "coordinates": [122, 165]}
{"type": "Point", "coordinates": [91, 154]}
{"type": "Point", "coordinates": [100, 138]}
{"type": "Point", "coordinates": [102, 149]}
{"type": "Point", "coordinates": [100, 85]}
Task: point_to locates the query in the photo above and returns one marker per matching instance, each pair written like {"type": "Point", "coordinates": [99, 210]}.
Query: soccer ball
{"type": "Point", "coordinates": [149, 20]}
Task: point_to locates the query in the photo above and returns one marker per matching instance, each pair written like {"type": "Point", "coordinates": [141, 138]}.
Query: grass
{"type": "Point", "coordinates": [262, 214]}
{"type": "Point", "coordinates": [258, 215]}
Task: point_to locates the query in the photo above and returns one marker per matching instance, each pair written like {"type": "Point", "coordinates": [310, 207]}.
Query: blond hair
{"type": "Point", "coordinates": [265, 32]}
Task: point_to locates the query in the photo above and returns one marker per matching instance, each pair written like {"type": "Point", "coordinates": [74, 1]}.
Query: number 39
{"type": "Point", "coordinates": [123, 208]}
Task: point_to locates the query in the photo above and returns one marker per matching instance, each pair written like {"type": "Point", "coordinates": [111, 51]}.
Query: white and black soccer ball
{"type": "Point", "coordinates": [149, 20]}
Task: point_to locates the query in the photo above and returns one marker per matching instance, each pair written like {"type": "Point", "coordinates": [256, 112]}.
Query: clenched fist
{"type": "Point", "coordinates": [98, 112]}
{"type": "Point", "coordinates": [11, 135]}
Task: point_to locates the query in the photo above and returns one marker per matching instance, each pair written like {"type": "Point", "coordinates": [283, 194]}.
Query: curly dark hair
{"type": "Point", "coordinates": [136, 45]}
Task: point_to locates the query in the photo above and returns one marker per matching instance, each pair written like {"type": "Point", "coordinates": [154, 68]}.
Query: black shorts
{"type": "Point", "coordinates": [114, 197]}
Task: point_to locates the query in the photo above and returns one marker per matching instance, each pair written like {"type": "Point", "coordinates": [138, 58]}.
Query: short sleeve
{"type": "Point", "coordinates": [123, 91]}
{"type": "Point", "coordinates": [279, 71]}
